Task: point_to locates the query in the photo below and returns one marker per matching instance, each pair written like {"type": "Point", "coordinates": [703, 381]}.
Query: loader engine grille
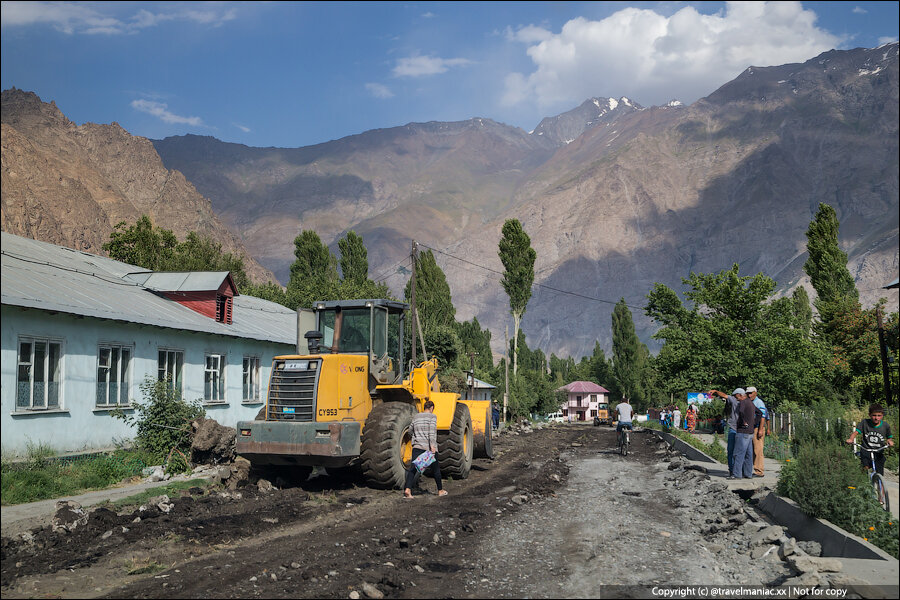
{"type": "Point", "coordinates": [292, 390]}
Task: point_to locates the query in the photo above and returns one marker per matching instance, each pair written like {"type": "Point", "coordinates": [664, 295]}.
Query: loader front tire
{"type": "Point", "coordinates": [456, 446]}
{"type": "Point", "coordinates": [387, 445]}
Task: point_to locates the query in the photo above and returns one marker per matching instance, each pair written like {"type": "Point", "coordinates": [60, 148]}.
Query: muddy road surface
{"type": "Point", "coordinates": [557, 513]}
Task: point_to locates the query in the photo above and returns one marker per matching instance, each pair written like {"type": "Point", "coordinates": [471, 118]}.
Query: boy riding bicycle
{"type": "Point", "coordinates": [876, 435]}
{"type": "Point", "coordinates": [624, 415]}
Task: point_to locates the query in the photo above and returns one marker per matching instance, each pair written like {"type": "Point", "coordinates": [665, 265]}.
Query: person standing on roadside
{"type": "Point", "coordinates": [759, 435]}
{"type": "Point", "coordinates": [423, 430]}
{"type": "Point", "coordinates": [743, 440]}
{"type": "Point", "coordinates": [676, 417]}
{"type": "Point", "coordinates": [730, 416]}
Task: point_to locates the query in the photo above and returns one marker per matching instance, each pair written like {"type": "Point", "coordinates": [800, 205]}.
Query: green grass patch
{"type": "Point", "coordinates": [713, 450]}
{"type": "Point", "coordinates": [41, 476]}
{"type": "Point", "coordinates": [171, 490]}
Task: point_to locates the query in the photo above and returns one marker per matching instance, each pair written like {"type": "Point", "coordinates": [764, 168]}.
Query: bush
{"type": "Point", "coordinates": [826, 481]}
{"type": "Point", "coordinates": [163, 423]}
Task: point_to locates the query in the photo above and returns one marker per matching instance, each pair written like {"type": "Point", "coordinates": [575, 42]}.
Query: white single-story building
{"type": "Point", "coordinates": [478, 389]}
{"type": "Point", "coordinates": [81, 332]}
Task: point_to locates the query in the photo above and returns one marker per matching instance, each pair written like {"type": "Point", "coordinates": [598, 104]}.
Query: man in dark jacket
{"type": "Point", "coordinates": [743, 442]}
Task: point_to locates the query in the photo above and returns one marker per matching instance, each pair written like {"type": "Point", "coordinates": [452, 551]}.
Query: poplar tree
{"type": "Point", "coordinates": [827, 266]}
{"type": "Point", "coordinates": [354, 258]}
{"type": "Point", "coordinates": [518, 258]}
{"type": "Point", "coordinates": [628, 359]}
{"type": "Point", "coordinates": [433, 302]}
{"type": "Point", "coordinates": [313, 259]}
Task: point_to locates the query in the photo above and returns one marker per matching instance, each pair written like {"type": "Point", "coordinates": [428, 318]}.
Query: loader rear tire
{"type": "Point", "coordinates": [484, 447]}
{"type": "Point", "coordinates": [456, 446]}
{"type": "Point", "coordinates": [387, 445]}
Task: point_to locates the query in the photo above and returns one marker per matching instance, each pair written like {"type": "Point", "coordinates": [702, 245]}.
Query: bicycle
{"type": "Point", "coordinates": [624, 441]}
{"type": "Point", "coordinates": [877, 480]}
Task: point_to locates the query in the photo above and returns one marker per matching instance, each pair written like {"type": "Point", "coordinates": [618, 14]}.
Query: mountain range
{"type": "Point", "coordinates": [615, 196]}
{"type": "Point", "coordinates": [70, 185]}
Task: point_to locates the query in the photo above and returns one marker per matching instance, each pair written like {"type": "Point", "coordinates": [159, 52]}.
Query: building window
{"type": "Point", "coordinates": [214, 378]}
{"type": "Point", "coordinates": [170, 367]}
{"type": "Point", "coordinates": [39, 374]}
{"type": "Point", "coordinates": [251, 379]}
{"type": "Point", "coordinates": [113, 375]}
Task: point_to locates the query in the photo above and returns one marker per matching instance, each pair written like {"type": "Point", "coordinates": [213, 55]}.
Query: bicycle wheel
{"type": "Point", "coordinates": [625, 441]}
{"type": "Point", "coordinates": [881, 492]}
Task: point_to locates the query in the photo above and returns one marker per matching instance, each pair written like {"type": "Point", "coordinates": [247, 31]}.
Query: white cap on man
{"type": "Point", "coordinates": [739, 391]}
{"type": "Point", "coordinates": [751, 389]}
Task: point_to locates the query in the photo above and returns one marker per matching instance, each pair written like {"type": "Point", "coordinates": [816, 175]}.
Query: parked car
{"type": "Point", "coordinates": [557, 417]}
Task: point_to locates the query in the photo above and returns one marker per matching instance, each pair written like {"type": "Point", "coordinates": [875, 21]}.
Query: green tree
{"type": "Point", "coordinates": [434, 304]}
{"type": "Point", "coordinates": [518, 258]}
{"type": "Point", "coordinates": [827, 266]}
{"type": "Point", "coordinates": [313, 260]}
{"type": "Point", "coordinates": [354, 258]}
{"type": "Point", "coordinates": [803, 314]}
{"type": "Point", "coordinates": [475, 339]}
{"type": "Point", "coordinates": [628, 357]}
{"type": "Point", "coordinates": [158, 249]}
{"type": "Point", "coordinates": [731, 335]}
{"type": "Point", "coordinates": [141, 244]}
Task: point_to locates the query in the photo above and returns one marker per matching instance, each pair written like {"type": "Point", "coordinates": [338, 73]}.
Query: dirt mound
{"type": "Point", "coordinates": [212, 443]}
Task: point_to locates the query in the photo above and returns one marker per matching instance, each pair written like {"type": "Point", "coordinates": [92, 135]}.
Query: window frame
{"type": "Point", "coordinates": [124, 378]}
{"type": "Point", "coordinates": [218, 373]}
{"type": "Point", "coordinates": [250, 370]}
{"type": "Point", "coordinates": [177, 382]}
{"type": "Point", "coordinates": [48, 342]}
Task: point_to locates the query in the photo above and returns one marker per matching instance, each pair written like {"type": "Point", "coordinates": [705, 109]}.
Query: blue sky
{"type": "Point", "coordinates": [295, 74]}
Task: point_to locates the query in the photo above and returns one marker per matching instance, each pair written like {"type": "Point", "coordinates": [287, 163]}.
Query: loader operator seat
{"type": "Point", "coordinates": [352, 339]}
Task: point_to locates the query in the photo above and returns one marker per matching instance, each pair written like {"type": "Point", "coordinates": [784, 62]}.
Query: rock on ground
{"type": "Point", "coordinates": [212, 443]}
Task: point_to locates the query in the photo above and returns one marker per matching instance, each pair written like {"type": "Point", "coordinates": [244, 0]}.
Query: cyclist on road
{"type": "Point", "coordinates": [876, 434]}
{"type": "Point", "coordinates": [624, 415]}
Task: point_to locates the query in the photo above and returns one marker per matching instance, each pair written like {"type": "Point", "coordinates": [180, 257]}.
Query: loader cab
{"type": "Point", "coordinates": [372, 327]}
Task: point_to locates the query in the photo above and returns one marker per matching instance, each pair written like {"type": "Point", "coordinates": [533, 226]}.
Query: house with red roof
{"type": "Point", "coordinates": [582, 400]}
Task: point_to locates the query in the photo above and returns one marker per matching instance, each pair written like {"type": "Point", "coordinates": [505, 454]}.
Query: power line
{"type": "Point", "coordinates": [392, 270]}
{"type": "Point", "coordinates": [538, 285]}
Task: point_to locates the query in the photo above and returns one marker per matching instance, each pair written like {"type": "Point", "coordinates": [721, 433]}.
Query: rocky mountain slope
{"type": "Point", "coordinates": [69, 185]}
{"type": "Point", "coordinates": [614, 200]}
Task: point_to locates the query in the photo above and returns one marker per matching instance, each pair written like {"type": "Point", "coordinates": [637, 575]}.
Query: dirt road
{"type": "Point", "coordinates": [556, 514]}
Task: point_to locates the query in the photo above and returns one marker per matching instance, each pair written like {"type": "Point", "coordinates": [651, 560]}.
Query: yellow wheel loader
{"type": "Point", "coordinates": [344, 399]}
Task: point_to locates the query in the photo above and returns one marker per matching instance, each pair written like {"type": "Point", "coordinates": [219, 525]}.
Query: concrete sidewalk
{"type": "Point", "coordinates": [881, 574]}
{"type": "Point", "coordinates": [19, 518]}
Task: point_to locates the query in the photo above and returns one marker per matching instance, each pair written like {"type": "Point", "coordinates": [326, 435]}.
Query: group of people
{"type": "Point", "coordinates": [670, 416]}
{"type": "Point", "coordinates": [747, 419]}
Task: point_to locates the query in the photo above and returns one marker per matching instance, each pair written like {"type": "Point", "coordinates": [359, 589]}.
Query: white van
{"type": "Point", "coordinates": [557, 417]}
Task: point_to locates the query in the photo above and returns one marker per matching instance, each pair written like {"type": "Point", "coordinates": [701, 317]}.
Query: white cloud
{"type": "Point", "coordinates": [379, 91]}
{"type": "Point", "coordinates": [652, 58]}
{"type": "Point", "coordinates": [242, 127]}
{"type": "Point", "coordinates": [428, 15]}
{"type": "Point", "coordinates": [418, 66]}
{"type": "Point", "coordinates": [887, 40]}
{"type": "Point", "coordinates": [860, 10]}
{"type": "Point", "coordinates": [528, 34]}
{"type": "Point", "coordinates": [161, 111]}
{"type": "Point", "coordinates": [72, 17]}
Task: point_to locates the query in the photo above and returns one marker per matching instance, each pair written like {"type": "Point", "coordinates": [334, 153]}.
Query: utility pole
{"type": "Point", "coordinates": [506, 364]}
{"type": "Point", "coordinates": [885, 368]}
{"type": "Point", "coordinates": [472, 375]}
{"type": "Point", "coordinates": [413, 300]}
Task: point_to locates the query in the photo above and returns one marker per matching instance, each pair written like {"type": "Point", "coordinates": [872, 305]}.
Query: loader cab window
{"type": "Point", "coordinates": [354, 336]}
{"type": "Point", "coordinates": [326, 327]}
{"type": "Point", "coordinates": [379, 341]}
